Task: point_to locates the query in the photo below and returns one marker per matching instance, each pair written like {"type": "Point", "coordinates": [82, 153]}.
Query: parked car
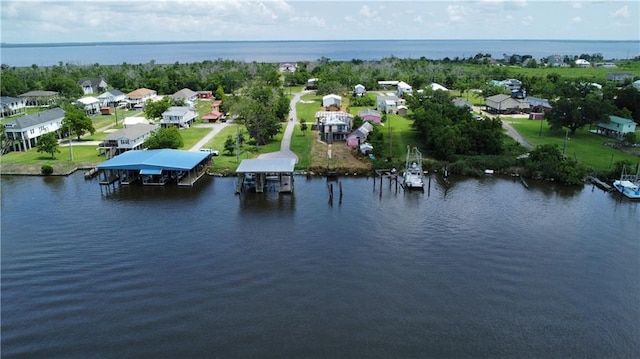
{"type": "Point", "coordinates": [212, 152]}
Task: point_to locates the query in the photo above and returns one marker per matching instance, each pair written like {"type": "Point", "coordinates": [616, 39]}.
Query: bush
{"type": "Point", "coordinates": [46, 169]}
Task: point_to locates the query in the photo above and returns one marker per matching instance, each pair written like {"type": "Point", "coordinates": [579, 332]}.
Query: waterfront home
{"type": "Point", "coordinates": [92, 85]}
{"type": "Point", "coordinates": [130, 138]}
{"type": "Point", "coordinates": [334, 125]}
{"type": "Point", "coordinates": [39, 98]}
{"type": "Point", "coordinates": [370, 116]}
{"type": "Point", "coordinates": [181, 116]}
{"type": "Point", "coordinates": [138, 97]}
{"type": "Point", "coordinates": [331, 100]}
{"type": "Point", "coordinates": [90, 104]}
{"type": "Point", "coordinates": [616, 127]}
{"type": "Point", "coordinates": [358, 136]}
{"type": "Point", "coordinates": [23, 132]}
{"type": "Point", "coordinates": [359, 90]}
{"type": "Point", "coordinates": [111, 98]}
{"type": "Point", "coordinates": [11, 106]}
{"type": "Point", "coordinates": [187, 95]}
{"type": "Point", "coordinates": [505, 104]}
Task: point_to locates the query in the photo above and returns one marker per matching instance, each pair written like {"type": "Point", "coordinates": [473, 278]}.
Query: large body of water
{"type": "Point", "coordinates": [291, 51]}
{"type": "Point", "coordinates": [486, 269]}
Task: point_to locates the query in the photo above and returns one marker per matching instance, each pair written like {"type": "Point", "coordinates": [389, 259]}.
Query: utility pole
{"type": "Point", "coordinates": [70, 147]}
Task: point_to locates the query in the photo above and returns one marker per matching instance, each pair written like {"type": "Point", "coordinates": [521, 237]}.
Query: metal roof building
{"type": "Point", "coordinates": [155, 167]}
{"type": "Point", "coordinates": [268, 174]}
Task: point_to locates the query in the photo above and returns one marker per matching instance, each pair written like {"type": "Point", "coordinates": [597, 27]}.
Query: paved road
{"type": "Point", "coordinates": [285, 151]}
{"type": "Point", "coordinates": [215, 128]}
{"type": "Point", "coordinates": [511, 132]}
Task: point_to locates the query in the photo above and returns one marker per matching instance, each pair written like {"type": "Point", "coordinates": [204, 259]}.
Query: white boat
{"type": "Point", "coordinates": [628, 184]}
{"type": "Point", "coordinates": [413, 170]}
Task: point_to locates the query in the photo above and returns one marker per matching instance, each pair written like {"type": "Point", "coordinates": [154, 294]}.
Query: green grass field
{"type": "Point", "coordinates": [584, 146]}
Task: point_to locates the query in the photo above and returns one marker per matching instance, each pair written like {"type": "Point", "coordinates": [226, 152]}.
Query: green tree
{"type": "Point", "coordinates": [578, 110]}
{"type": "Point", "coordinates": [547, 161]}
{"type": "Point", "coordinates": [229, 145]}
{"type": "Point", "coordinates": [48, 143]}
{"type": "Point", "coordinates": [154, 109]}
{"type": "Point", "coordinates": [303, 126]}
{"type": "Point", "coordinates": [77, 120]}
{"type": "Point", "coordinates": [166, 137]}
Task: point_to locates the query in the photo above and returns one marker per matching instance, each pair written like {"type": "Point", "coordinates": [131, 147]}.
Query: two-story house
{"type": "Point", "coordinates": [90, 104]}
{"type": "Point", "coordinates": [92, 85]}
{"type": "Point", "coordinates": [11, 106]}
{"type": "Point", "coordinates": [111, 98]}
{"type": "Point", "coordinates": [181, 116]}
{"type": "Point", "coordinates": [25, 130]}
{"type": "Point", "coordinates": [186, 95]}
{"type": "Point", "coordinates": [334, 125]}
{"type": "Point", "coordinates": [126, 139]}
{"type": "Point", "coordinates": [137, 98]}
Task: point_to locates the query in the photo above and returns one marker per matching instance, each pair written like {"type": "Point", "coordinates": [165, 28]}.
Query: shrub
{"type": "Point", "coordinates": [46, 169]}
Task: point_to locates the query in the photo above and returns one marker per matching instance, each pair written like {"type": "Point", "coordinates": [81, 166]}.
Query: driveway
{"type": "Point", "coordinates": [215, 128]}
{"type": "Point", "coordinates": [511, 132]}
{"type": "Point", "coordinates": [285, 151]}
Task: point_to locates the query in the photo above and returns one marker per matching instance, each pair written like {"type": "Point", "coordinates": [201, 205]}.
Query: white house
{"type": "Point", "coordinates": [331, 100]}
{"type": "Point", "coordinates": [404, 89]}
{"type": "Point", "coordinates": [90, 104]}
{"type": "Point", "coordinates": [11, 105]}
{"type": "Point", "coordinates": [178, 115]}
{"type": "Point", "coordinates": [359, 90]}
{"type": "Point", "coordinates": [334, 125]}
{"type": "Point", "coordinates": [92, 85]}
{"type": "Point", "coordinates": [582, 63]}
{"type": "Point", "coordinates": [312, 83]}
{"type": "Point", "coordinates": [126, 139]}
{"type": "Point", "coordinates": [111, 98]}
{"type": "Point", "coordinates": [437, 87]}
{"type": "Point", "coordinates": [24, 131]}
{"type": "Point", "coordinates": [132, 121]}
{"type": "Point", "coordinates": [388, 103]}
{"type": "Point", "coordinates": [138, 97]}
{"type": "Point", "coordinates": [186, 95]}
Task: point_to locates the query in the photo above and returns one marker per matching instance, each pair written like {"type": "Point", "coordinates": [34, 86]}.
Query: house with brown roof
{"type": "Point", "coordinates": [140, 96]}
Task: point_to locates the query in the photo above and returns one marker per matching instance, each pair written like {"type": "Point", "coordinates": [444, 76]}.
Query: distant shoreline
{"type": "Point", "coordinates": [131, 43]}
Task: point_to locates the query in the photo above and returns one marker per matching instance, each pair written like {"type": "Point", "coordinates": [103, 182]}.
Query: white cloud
{"type": "Point", "coordinates": [575, 4]}
{"type": "Point", "coordinates": [456, 12]}
{"type": "Point", "coordinates": [621, 12]}
{"type": "Point", "coordinates": [418, 19]}
{"type": "Point", "coordinates": [575, 20]}
{"type": "Point", "coordinates": [367, 12]}
{"type": "Point", "coordinates": [527, 20]}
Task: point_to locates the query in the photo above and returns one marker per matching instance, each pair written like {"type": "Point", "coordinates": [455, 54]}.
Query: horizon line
{"type": "Point", "coordinates": [85, 43]}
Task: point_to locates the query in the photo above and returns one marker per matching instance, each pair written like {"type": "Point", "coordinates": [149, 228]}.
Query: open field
{"type": "Point", "coordinates": [584, 146]}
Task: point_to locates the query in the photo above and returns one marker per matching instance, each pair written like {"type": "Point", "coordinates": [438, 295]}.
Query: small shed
{"type": "Point", "coordinates": [106, 110]}
{"type": "Point", "coordinates": [370, 116]}
{"type": "Point", "coordinates": [358, 136]}
{"type": "Point", "coordinates": [359, 90]}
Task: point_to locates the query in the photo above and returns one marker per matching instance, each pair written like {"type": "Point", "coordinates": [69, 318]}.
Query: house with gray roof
{"type": "Point", "coordinates": [11, 105]}
{"type": "Point", "coordinates": [186, 95]}
{"type": "Point", "coordinates": [126, 139]}
{"type": "Point", "coordinates": [111, 98]}
{"type": "Point", "coordinates": [39, 98]}
{"type": "Point", "coordinates": [92, 85]}
{"type": "Point", "coordinates": [181, 116]}
{"type": "Point", "coordinates": [619, 76]}
{"type": "Point", "coordinates": [334, 125]}
{"type": "Point", "coordinates": [505, 104]}
{"type": "Point", "coordinates": [25, 130]}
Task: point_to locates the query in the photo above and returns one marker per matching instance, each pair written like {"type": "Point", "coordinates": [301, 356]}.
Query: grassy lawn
{"type": "Point", "coordinates": [32, 160]}
{"type": "Point", "coordinates": [192, 135]}
{"type": "Point", "coordinates": [301, 144]}
{"type": "Point", "coordinates": [584, 146]}
{"type": "Point", "coordinates": [307, 111]}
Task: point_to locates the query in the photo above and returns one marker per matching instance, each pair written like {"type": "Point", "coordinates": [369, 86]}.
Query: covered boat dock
{"type": "Point", "coordinates": [155, 167]}
{"type": "Point", "coordinates": [271, 175]}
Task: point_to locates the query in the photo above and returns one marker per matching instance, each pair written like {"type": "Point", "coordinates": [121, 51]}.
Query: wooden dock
{"type": "Point", "coordinates": [602, 185]}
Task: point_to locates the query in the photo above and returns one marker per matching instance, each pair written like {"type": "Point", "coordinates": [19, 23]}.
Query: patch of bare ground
{"type": "Point", "coordinates": [342, 157]}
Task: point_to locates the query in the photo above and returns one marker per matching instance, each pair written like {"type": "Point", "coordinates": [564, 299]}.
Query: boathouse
{"type": "Point", "coordinates": [155, 167]}
{"type": "Point", "coordinates": [268, 174]}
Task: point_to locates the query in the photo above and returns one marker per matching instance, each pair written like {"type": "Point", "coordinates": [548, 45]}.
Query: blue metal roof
{"type": "Point", "coordinates": [166, 159]}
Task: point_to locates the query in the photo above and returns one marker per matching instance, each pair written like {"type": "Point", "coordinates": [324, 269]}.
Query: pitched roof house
{"type": "Point", "coordinates": [140, 96]}
{"type": "Point", "coordinates": [502, 103]}
{"type": "Point", "coordinates": [359, 90]}
{"type": "Point", "coordinates": [11, 105]}
{"type": "Point", "coordinates": [616, 127]}
{"type": "Point", "coordinates": [129, 138]}
{"type": "Point", "coordinates": [358, 136]}
{"type": "Point", "coordinates": [39, 98]}
{"type": "Point", "coordinates": [370, 115]}
{"type": "Point", "coordinates": [92, 85]}
{"type": "Point", "coordinates": [178, 115]}
{"type": "Point", "coordinates": [90, 104]}
{"type": "Point", "coordinates": [331, 100]}
{"type": "Point", "coordinates": [334, 125]}
{"type": "Point", "coordinates": [25, 130]}
{"type": "Point", "coordinates": [186, 95]}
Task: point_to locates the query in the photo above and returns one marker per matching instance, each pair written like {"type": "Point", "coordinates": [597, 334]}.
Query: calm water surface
{"type": "Point", "coordinates": [486, 269]}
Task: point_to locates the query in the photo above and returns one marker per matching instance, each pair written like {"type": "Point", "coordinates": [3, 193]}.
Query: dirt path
{"type": "Point", "coordinates": [511, 132]}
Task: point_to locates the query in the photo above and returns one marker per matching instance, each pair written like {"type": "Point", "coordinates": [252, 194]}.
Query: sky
{"type": "Point", "coordinates": [54, 21]}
